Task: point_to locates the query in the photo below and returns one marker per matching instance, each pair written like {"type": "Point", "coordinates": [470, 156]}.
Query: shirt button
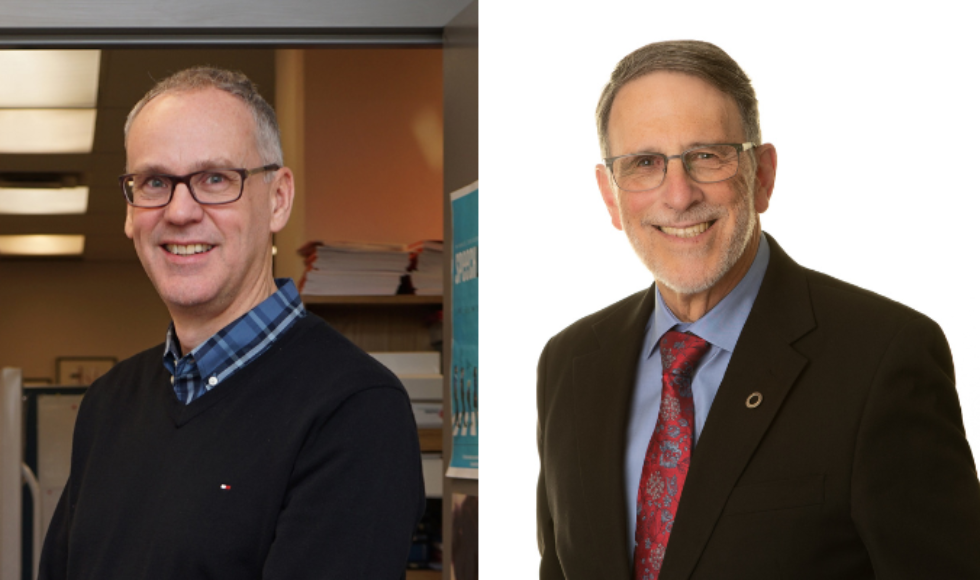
{"type": "Point", "coordinates": [213, 381]}
{"type": "Point", "coordinates": [171, 380]}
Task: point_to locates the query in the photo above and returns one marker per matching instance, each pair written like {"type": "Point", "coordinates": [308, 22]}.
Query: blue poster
{"type": "Point", "coordinates": [464, 373]}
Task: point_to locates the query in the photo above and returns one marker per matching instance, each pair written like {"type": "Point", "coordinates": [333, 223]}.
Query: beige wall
{"type": "Point", "coordinates": [63, 308]}
{"type": "Point", "coordinates": [373, 145]}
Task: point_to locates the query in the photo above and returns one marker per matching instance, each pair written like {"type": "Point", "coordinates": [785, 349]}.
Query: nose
{"type": "Point", "coordinates": [679, 191]}
{"type": "Point", "coordinates": [183, 208]}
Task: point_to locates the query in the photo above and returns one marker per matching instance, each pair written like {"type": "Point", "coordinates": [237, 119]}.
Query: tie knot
{"type": "Point", "coordinates": [681, 351]}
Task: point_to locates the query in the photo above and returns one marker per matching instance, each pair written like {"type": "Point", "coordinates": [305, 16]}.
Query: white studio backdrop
{"type": "Point", "coordinates": [873, 112]}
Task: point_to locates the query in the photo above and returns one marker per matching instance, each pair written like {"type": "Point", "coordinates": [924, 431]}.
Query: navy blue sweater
{"type": "Point", "coordinates": [304, 464]}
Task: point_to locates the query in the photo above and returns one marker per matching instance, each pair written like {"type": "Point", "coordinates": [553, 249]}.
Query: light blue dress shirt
{"type": "Point", "coordinates": [721, 327]}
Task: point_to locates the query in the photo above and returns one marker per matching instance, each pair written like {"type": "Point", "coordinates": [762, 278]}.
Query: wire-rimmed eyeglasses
{"type": "Point", "coordinates": [704, 163]}
{"type": "Point", "coordinates": [207, 187]}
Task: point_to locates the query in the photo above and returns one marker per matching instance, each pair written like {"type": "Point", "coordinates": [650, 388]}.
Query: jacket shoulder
{"type": "Point", "coordinates": [787, 283]}
{"type": "Point", "coordinates": [580, 335]}
{"type": "Point", "coordinates": [833, 297]}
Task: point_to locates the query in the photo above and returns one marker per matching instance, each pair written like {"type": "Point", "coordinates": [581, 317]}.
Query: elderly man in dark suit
{"type": "Point", "coordinates": [744, 417]}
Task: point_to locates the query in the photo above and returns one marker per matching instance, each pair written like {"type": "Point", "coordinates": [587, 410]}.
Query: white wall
{"type": "Point", "coordinates": [873, 110]}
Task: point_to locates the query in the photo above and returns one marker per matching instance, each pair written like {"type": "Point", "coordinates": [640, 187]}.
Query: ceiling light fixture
{"type": "Point", "coordinates": [42, 245]}
{"type": "Point", "coordinates": [47, 130]}
{"type": "Point", "coordinates": [43, 200]}
{"type": "Point", "coordinates": [47, 100]}
{"type": "Point", "coordinates": [49, 79]}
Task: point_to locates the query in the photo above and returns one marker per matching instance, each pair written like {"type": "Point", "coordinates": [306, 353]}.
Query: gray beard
{"type": "Point", "coordinates": [735, 245]}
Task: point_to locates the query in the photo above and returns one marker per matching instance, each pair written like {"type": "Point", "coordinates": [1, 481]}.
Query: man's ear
{"type": "Point", "coordinates": [281, 200]}
{"type": "Point", "coordinates": [604, 181]}
{"type": "Point", "coordinates": [765, 176]}
{"type": "Point", "coordinates": [128, 226]}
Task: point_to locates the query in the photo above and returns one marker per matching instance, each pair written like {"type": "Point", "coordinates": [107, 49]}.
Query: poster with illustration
{"type": "Point", "coordinates": [464, 374]}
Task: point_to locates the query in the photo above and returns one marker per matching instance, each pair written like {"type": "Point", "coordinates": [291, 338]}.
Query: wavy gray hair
{"type": "Point", "coordinates": [701, 59]}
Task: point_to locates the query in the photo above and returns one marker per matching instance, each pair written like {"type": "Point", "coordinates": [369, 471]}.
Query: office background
{"type": "Point", "coordinates": [366, 31]}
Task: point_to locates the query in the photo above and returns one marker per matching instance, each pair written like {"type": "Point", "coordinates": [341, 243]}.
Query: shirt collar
{"type": "Point", "coordinates": [722, 325]}
{"type": "Point", "coordinates": [284, 304]}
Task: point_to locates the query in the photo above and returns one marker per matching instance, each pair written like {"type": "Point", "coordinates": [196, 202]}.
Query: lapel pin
{"type": "Point", "coordinates": [225, 486]}
{"type": "Point", "coordinates": [754, 400]}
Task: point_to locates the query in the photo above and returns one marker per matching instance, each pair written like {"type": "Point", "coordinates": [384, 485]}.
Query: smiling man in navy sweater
{"type": "Point", "coordinates": [256, 442]}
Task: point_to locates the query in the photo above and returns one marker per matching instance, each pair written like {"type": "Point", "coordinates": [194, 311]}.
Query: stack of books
{"type": "Point", "coordinates": [353, 269]}
{"type": "Point", "coordinates": [426, 268]}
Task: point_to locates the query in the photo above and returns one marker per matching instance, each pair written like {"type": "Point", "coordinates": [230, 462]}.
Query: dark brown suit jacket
{"type": "Point", "coordinates": [854, 466]}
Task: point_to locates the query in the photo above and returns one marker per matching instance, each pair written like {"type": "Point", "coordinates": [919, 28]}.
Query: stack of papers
{"type": "Point", "coordinates": [427, 267]}
{"type": "Point", "coordinates": [353, 269]}
{"type": "Point", "coordinates": [422, 377]}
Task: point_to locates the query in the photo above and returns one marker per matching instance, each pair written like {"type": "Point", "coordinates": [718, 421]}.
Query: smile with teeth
{"type": "Point", "coordinates": [187, 249]}
{"type": "Point", "coordinates": [688, 232]}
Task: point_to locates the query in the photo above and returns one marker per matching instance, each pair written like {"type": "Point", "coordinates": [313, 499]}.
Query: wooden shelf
{"type": "Point", "coordinates": [430, 440]}
{"type": "Point", "coordinates": [382, 323]}
{"type": "Point", "coordinates": [424, 575]}
{"type": "Point", "coordinates": [402, 299]}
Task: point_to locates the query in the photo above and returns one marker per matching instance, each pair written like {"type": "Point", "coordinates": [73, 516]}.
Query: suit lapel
{"type": "Point", "coordinates": [603, 389]}
{"type": "Point", "coordinates": [764, 362]}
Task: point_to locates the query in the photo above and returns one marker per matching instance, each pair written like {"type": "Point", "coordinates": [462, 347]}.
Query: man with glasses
{"type": "Point", "coordinates": [744, 417]}
{"type": "Point", "coordinates": [256, 441]}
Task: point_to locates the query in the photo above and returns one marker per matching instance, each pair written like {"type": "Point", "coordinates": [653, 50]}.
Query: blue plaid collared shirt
{"type": "Point", "coordinates": [234, 346]}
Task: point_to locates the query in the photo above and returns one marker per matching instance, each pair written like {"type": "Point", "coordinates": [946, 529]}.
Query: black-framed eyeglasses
{"type": "Point", "coordinates": [704, 163]}
{"type": "Point", "coordinates": [207, 187]}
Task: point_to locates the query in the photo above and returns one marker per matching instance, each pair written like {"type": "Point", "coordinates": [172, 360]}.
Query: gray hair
{"type": "Point", "coordinates": [693, 57]}
{"type": "Point", "coordinates": [233, 82]}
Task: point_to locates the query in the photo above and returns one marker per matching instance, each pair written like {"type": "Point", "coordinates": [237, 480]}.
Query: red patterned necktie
{"type": "Point", "coordinates": [668, 454]}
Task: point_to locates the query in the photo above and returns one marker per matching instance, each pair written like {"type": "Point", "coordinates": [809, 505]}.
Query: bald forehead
{"type": "Point", "coordinates": [205, 99]}
{"type": "Point", "coordinates": [203, 123]}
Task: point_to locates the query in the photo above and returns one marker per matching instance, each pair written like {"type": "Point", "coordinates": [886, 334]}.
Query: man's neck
{"type": "Point", "coordinates": [195, 325]}
{"type": "Point", "coordinates": [691, 307]}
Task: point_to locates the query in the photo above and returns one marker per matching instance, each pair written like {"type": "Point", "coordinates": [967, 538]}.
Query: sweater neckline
{"type": "Point", "coordinates": [182, 414]}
